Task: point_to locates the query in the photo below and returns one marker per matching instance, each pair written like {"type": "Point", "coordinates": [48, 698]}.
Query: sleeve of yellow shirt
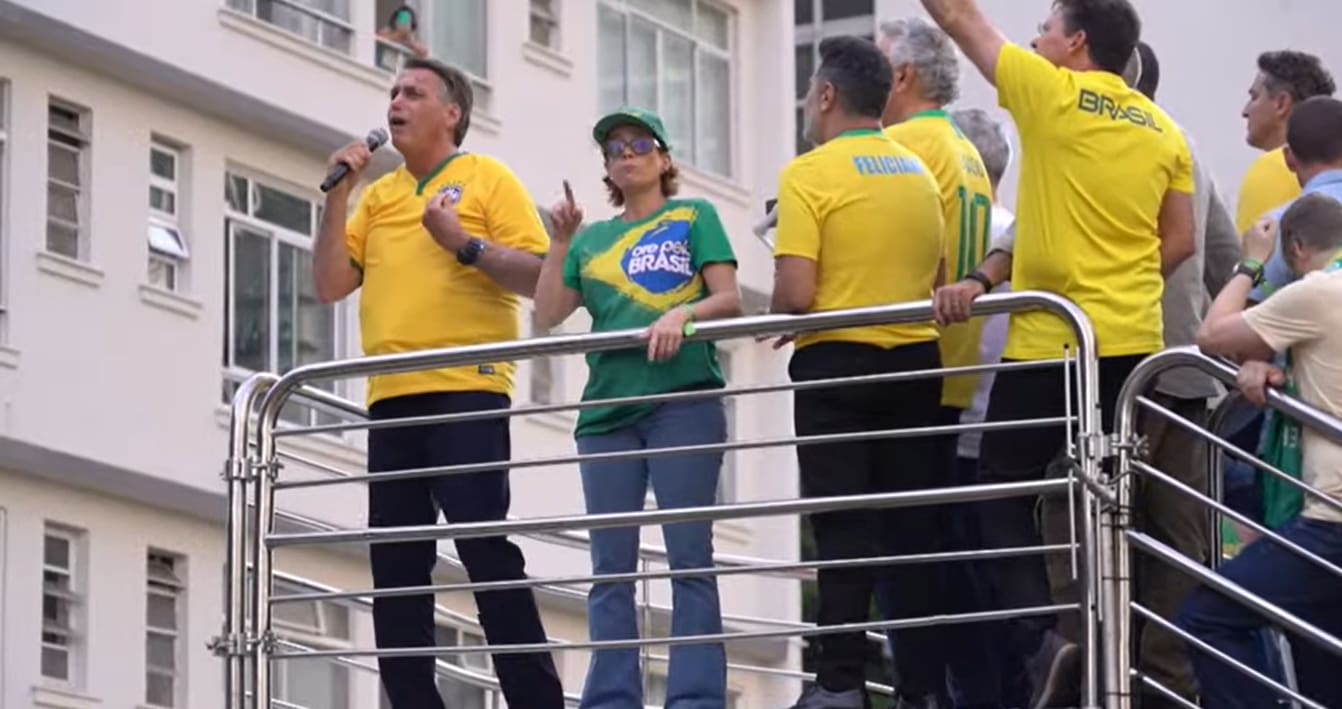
{"type": "Point", "coordinates": [1027, 84]}
{"type": "Point", "coordinates": [1182, 179]}
{"type": "Point", "coordinates": [798, 217]}
{"type": "Point", "coordinates": [356, 227]}
{"type": "Point", "coordinates": [512, 216]}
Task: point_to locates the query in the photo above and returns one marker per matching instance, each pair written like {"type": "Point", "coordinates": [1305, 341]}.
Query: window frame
{"type": "Point", "coordinates": [276, 235]}
{"type": "Point", "coordinates": [74, 597]}
{"type": "Point", "coordinates": [697, 44]}
{"type": "Point", "coordinates": [818, 28]}
{"type": "Point", "coordinates": [83, 134]}
{"type": "Point", "coordinates": [174, 589]}
{"type": "Point", "coordinates": [252, 8]}
{"type": "Point", "coordinates": [174, 262]}
{"type": "Point", "coordinates": [4, 203]}
{"type": "Point", "coordinates": [549, 14]}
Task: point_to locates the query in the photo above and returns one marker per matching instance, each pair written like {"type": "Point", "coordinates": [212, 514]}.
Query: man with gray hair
{"type": "Point", "coordinates": [926, 73]}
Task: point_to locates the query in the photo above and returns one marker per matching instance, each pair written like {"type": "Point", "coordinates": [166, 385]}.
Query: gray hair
{"type": "Point", "coordinates": [1132, 73]}
{"type": "Point", "coordinates": [987, 135]}
{"type": "Point", "coordinates": [920, 44]}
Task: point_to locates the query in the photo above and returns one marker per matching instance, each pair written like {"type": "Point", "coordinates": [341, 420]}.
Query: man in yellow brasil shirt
{"type": "Point", "coordinates": [926, 73]}
{"type": "Point", "coordinates": [1105, 204]}
{"type": "Point", "coordinates": [1284, 79]}
{"type": "Point", "coordinates": [442, 247]}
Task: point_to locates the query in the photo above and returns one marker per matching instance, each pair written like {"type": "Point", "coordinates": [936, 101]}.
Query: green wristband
{"type": "Point", "coordinates": [688, 328]}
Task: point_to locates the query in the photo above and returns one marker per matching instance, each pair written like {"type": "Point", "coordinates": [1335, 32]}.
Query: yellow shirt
{"type": "Point", "coordinates": [416, 296]}
{"type": "Point", "coordinates": [1097, 161]}
{"type": "Point", "coordinates": [864, 208]}
{"type": "Point", "coordinates": [966, 210]}
{"type": "Point", "coordinates": [1268, 184]}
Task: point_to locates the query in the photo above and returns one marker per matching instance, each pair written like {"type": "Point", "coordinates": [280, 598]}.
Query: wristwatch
{"type": "Point", "coordinates": [470, 253]}
{"type": "Point", "coordinates": [1253, 268]}
{"type": "Point", "coordinates": [980, 279]}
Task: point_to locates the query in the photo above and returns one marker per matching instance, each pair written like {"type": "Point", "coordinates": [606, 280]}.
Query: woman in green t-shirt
{"type": "Point", "coordinates": [660, 265]}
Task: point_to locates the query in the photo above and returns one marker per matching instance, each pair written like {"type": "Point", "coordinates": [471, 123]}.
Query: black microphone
{"type": "Point", "coordinates": [376, 139]}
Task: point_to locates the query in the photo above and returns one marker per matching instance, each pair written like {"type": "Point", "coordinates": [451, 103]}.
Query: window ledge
{"type": "Point", "coordinates": [244, 23]}
{"type": "Point", "coordinates": [85, 274]}
{"type": "Point", "coordinates": [547, 59]}
{"type": "Point", "coordinates": [50, 697]}
{"type": "Point", "coordinates": [171, 302]}
{"type": "Point", "coordinates": [9, 358]}
{"type": "Point", "coordinates": [715, 185]}
{"type": "Point", "coordinates": [732, 531]}
{"type": "Point", "coordinates": [486, 123]}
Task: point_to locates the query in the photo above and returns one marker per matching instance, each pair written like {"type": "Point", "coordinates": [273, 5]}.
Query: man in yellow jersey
{"type": "Point", "coordinates": [859, 224]}
{"type": "Point", "coordinates": [1105, 209]}
{"type": "Point", "coordinates": [926, 78]}
{"type": "Point", "coordinates": [442, 247]}
{"type": "Point", "coordinates": [1285, 78]}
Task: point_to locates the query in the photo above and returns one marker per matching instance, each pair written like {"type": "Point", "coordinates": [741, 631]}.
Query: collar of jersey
{"type": "Point", "coordinates": [435, 172]}
{"type": "Point", "coordinates": [930, 113]}
{"type": "Point", "coordinates": [858, 133]}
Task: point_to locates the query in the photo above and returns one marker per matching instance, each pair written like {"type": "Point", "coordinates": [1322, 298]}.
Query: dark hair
{"type": "Point", "coordinates": [860, 74]}
{"type": "Point", "coordinates": [414, 18]}
{"type": "Point", "coordinates": [1150, 78]}
{"type": "Point", "coordinates": [1112, 29]}
{"type": "Point", "coordinates": [1313, 221]}
{"type": "Point", "coordinates": [670, 186]}
{"type": "Point", "coordinates": [1314, 131]}
{"type": "Point", "coordinates": [1300, 74]}
{"type": "Point", "coordinates": [456, 89]}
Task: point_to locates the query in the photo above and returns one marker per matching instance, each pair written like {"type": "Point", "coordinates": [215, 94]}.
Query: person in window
{"type": "Point", "coordinates": [402, 28]}
{"type": "Point", "coordinates": [661, 264]}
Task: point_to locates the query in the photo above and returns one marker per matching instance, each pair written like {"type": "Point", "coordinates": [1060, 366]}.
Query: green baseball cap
{"type": "Point", "coordinates": [629, 116]}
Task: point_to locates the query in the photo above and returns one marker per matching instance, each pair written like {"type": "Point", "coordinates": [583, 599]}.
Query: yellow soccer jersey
{"type": "Point", "coordinates": [1097, 161]}
{"type": "Point", "coordinates": [1268, 184]}
{"type": "Point", "coordinates": [865, 209]}
{"type": "Point", "coordinates": [966, 210]}
{"type": "Point", "coordinates": [416, 296]}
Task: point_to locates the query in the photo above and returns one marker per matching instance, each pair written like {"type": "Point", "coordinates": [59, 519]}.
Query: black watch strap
{"type": "Point", "coordinates": [982, 280]}
{"type": "Point", "coordinates": [470, 253]}
{"type": "Point", "coordinates": [1251, 268]}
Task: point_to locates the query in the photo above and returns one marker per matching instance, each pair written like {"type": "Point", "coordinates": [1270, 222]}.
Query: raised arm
{"type": "Point", "coordinates": [976, 37]}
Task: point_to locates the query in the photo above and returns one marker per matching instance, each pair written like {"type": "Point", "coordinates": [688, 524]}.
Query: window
{"type": "Point", "coordinates": [322, 22]}
{"type": "Point", "coordinates": [457, 34]}
{"type": "Point", "coordinates": [62, 604]}
{"type": "Point", "coordinates": [672, 57]}
{"type": "Point", "coordinates": [545, 23]}
{"type": "Point", "coordinates": [274, 320]}
{"type": "Point", "coordinates": [163, 649]}
{"type": "Point", "coordinates": [67, 174]}
{"type": "Point", "coordinates": [816, 20]}
{"type": "Point", "coordinates": [312, 625]}
{"type": "Point", "coordinates": [167, 246]}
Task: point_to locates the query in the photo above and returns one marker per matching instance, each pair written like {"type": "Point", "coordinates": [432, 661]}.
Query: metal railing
{"type": "Point", "coordinates": [252, 476]}
{"type": "Point", "coordinates": [1120, 674]}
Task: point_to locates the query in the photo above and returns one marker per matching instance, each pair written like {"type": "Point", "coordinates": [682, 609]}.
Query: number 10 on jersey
{"type": "Point", "coordinates": [975, 226]}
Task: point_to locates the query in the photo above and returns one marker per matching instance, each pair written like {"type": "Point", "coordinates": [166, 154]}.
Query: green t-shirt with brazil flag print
{"type": "Point", "coordinates": [629, 274]}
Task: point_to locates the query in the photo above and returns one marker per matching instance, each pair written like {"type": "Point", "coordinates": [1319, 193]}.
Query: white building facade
{"type": "Point", "coordinates": [158, 170]}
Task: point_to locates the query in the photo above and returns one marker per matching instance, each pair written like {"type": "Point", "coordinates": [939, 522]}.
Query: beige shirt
{"type": "Point", "coordinates": [1304, 318]}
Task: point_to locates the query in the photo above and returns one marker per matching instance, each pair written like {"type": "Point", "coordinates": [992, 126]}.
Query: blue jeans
{"type": "Point", "coordinates": [1290, 582]}
{"type": "Point", "coordinates": [697, 676]}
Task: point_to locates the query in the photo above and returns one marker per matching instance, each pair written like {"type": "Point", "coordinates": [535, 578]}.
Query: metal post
{"type": "Point", "coordinates": [238, 476]}
{"type": "Point", "coordinates": [645, 606]}
{"type": "Point", "coordinates": [1091, 453]}
{"type": "Point", "coordinates": [266, 468]}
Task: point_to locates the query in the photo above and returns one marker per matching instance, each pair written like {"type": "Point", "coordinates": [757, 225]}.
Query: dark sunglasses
{"type": "Point", "coordinates": [639, 146]}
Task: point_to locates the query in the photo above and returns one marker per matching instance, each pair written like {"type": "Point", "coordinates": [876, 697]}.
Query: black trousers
{"type": "Point", "coordinates": [886, 465]}
{"type": "Point", "coordinates": [510, 616]}
{"type": "Point", "coordinates": [1024, 455]}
